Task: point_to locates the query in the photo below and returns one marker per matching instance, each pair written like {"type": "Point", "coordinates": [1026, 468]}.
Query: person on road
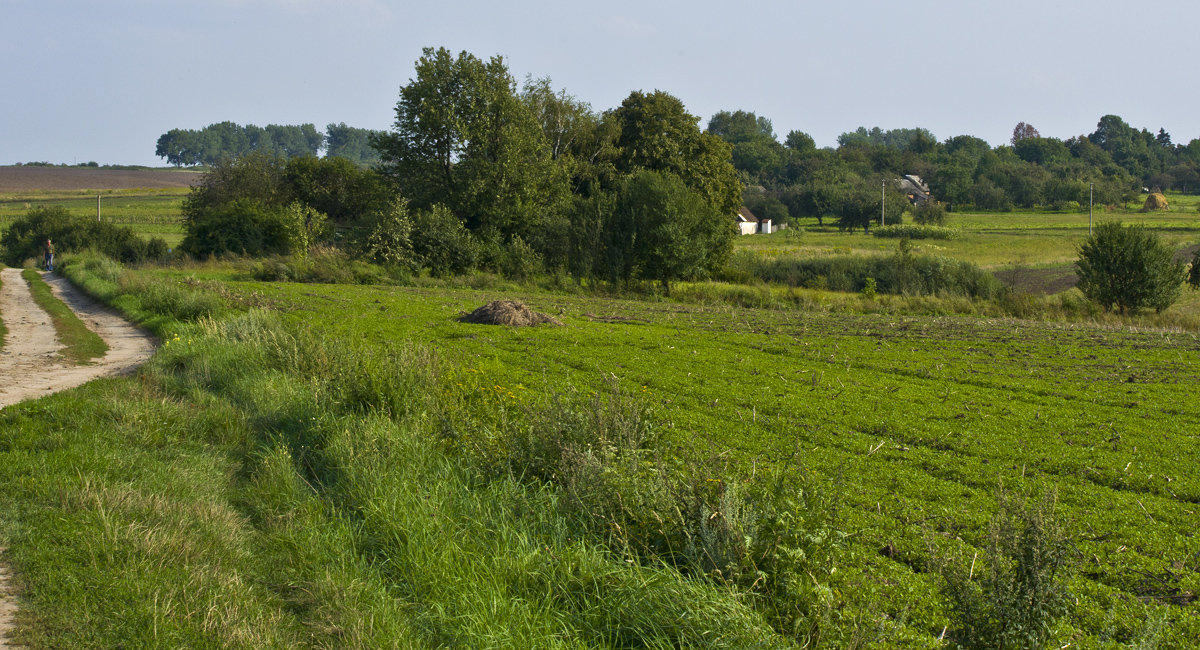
{"type": "Point", "coordinates": [48, 262]}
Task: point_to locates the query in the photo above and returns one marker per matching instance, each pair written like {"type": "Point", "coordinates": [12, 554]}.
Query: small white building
{"type": "Point", "coordinates": [748, 224]}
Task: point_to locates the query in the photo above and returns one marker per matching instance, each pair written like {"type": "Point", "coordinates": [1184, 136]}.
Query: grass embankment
{"type": "Point", "coordinates": [82, 345]}
{"type": "Point", "coordinates": [257, 486]}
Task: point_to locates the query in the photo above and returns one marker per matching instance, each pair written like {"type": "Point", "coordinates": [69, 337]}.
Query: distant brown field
{"type": "Point", "coordinates": [59, 179]}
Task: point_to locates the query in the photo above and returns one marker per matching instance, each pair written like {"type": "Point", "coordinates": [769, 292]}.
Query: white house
{"type": "Point", "coordinates": [748, 224]}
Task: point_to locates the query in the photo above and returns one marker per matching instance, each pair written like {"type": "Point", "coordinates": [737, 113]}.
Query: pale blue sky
{"type": "Point", "coordinates": [102, 79]}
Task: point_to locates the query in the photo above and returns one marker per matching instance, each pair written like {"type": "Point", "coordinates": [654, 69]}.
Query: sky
{"type": "Point", "coordinates": [101, 80]}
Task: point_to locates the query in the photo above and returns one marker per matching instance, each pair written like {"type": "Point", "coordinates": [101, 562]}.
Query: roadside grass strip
{"type": "Point", "coordinates": [83, 345]}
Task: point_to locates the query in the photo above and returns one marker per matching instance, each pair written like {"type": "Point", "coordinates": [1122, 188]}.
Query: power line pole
{"type": "Point", "coordinates": [97, 207]}
{"type": "Point", "coordinates": [1091, 192]}
{"type": "Point", "coordinates": [883, 204]}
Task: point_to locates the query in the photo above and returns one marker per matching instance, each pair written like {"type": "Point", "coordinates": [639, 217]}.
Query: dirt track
{"type": "Point", "coordinates": [30, 366]}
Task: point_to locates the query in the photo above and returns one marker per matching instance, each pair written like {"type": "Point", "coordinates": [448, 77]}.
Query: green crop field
{"type": "Point", "coordinates": [994, 241]}
{"type": "Point", "coordinates": [149, 212]}
{"type": "Point", "coordinates": [915, 422]}
{"type": "Point", "coordinates": [912, 425]}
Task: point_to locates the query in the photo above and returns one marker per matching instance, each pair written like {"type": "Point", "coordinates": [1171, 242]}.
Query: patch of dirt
{"type": "Point", "coordinates": [8, 606]}
{"type": "Point", "coordinates": [508, 312]}
{"type": "Point", "coordinates": [1038, 281]}
{"type": "Point", "coordinates": [30, 178]}
{"type": "Point", "coordinates": [32, 368]}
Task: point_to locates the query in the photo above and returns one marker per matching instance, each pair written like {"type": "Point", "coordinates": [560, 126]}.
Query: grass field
{"type": "Point", "coordinates": [921, 418]}
{"type": "Point", "coordinates": [914, 423]}
{"type": "Point", "coordinates": [319, 496]}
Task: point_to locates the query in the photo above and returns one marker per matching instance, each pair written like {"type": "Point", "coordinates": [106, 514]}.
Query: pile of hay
{"type": "Point", "coordinates": [508, 312]}
{"type": "Point", "coordinates": [1155, 201]}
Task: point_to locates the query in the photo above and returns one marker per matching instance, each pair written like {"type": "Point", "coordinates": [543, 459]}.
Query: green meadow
{"type": "Point", "coordinates": [307, 464]}
{"type": "Point", "coordinates": [994, 241]}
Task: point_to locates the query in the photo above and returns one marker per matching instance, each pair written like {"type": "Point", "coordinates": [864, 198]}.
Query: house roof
{"type": "Point", "coordinates": [746, 216]}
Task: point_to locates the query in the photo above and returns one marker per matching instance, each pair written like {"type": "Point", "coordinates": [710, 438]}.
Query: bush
{"type": "Point", "coordinates": [247, 227]}
{"type": "Point", "coordinates": [442, 244]}
{"type": "Point", "coordinates": [911, 231]}
{"type": "Point", "coordinates": [1128, 268]}
{"type": "Point", "coordinates": [898, 274]}
{"type": "Point", "coordinates": [26, 238]}
{"type": "Point", "coordinates": [930, 213]}
{"type": "Point", "coordinates": [1020, 590]}
{"type": "Point", "coordinates": [390, 236]}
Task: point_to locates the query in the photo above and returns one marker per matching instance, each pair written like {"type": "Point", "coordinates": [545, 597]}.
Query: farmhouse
{"type": "Point", "coordinates": [914, 187]}
{"type": "Point", "coordinates": [748, 224]}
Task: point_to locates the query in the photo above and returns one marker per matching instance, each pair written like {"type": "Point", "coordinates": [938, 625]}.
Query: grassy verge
{"type": "Point", "coordinates": [82, 344]}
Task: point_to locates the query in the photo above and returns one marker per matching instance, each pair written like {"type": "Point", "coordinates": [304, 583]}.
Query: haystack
{"type": "Point", "coordinates": [508, 312]}
{"type": "Point", "coordinates": [1155, 201]}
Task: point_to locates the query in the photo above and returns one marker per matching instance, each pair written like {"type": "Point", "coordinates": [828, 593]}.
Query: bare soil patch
{"type": "Point", "coordinates": [508, 312]}
{"type": "Point", "coordinates": [31, 178]}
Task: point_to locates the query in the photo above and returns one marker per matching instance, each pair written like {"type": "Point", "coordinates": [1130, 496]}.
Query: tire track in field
{"type": "Point", "coordinates": [30, 366]}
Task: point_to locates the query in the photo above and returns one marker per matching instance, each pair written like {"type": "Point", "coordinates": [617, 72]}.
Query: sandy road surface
{"type": "Point", "coordinates": [30, 367]}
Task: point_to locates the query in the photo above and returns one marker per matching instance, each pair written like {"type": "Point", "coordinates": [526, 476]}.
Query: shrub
{"type": "Point", "coordinates": [913, 231]}
{"type": "Point", "coordinates": [390, 237]}
{"type": "Point", "coordinates": [1020, 590]}
{"type": "Point", "coordinates": [1128, 268]}
{"type": "Point", "coordinates": [27, 235]}
{"type": "Point", "coordinates": [930, 213]}
{"type": "Point", "coordinates": [897, 274]}
{"type": "Point", "coordinates": [247, 227]}
{"type": "Point", "coordinates": [442, 244]}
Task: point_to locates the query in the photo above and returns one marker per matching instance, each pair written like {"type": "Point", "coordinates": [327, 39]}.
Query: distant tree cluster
{"type": "Point", "coordinates": [795, 179]}
{"type": "Point", "coordinates": [207, 146]}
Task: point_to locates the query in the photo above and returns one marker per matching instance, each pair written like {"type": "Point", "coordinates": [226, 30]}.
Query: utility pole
{"type": "Point", "coordinates": [1091, 193]}
{"type": "Point", "coordinates": [883, 204]}
{"type": "Point", "coordinates": [97, 207]}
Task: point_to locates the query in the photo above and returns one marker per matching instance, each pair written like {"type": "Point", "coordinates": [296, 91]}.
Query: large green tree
{"type": "Point", "coordinates": [656, 133]}
{"type": "Point", "coordinates": [463, 138]}
{"type": "Point", "coordinates": [1128, 268]}
{"type": "Point", "coordinates": [660, 229]}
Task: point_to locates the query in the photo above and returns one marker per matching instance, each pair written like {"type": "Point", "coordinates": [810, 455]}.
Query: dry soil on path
{"type": "Point", "coordinates": [30, 366]}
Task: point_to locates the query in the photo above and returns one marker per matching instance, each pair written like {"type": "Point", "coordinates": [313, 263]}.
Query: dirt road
{"type": "Point", "coordinates": [30, 366]}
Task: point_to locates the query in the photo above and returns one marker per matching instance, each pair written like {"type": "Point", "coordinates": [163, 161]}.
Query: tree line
{"type": "Point", "coordinates": [795, 179]}
{"type": "Point", "coordinates": [215, 142]}
{"type": "Point", "coordinates": [481, 172]}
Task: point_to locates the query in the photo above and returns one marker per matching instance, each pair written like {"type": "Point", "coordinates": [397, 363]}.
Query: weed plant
{"type": "Point", "coordinates": [1021, 591]}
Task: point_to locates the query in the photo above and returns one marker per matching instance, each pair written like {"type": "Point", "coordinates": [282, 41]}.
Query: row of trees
{"type": "Point", "coordinates": [478, 172]}
{"type": "Point", "coordinates": [209, 145]}
{"type": "Point", "coordinates": [795, 179]}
